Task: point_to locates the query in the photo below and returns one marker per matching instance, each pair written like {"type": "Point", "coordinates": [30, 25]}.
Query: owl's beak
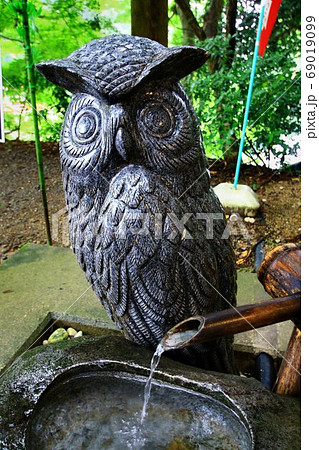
{"type": "Point", "coordinates": [121, 136]}
{"type": "Point", "coordinates": [122, 143]}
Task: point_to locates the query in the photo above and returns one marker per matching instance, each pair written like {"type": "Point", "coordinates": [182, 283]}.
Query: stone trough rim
{"type": "Point", "coordinates": [221, 387]}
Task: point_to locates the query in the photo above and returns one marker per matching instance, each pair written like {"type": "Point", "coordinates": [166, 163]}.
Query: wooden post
{"type": "Point", "coordinates": [280, 274]}
{"type": "Point", "coordinates": [289, 380]}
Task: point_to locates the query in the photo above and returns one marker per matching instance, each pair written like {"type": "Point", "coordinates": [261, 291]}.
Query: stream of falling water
{"type": "Point", "coordinates": [160, 349]}
{"type": "Point", "coordinates": [169, 342]}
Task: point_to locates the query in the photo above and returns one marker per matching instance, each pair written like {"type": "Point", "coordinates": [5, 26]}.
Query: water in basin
{"type": "Point", "coordinates": [103, 411]}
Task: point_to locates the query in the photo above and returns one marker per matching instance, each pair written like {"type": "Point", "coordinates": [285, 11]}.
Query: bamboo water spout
{"type": "Point", "coordinates": [280, 275]}
{"type": "Point", "coordinates": [232, 321]}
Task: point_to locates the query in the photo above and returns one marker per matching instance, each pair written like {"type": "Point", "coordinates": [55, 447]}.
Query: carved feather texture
{"type": "Point", "coordinates": [134, 175]}
{"type": "Point", "coordinates": [168, 280]}
{"type": "Point", "coordinates": [114, 65]}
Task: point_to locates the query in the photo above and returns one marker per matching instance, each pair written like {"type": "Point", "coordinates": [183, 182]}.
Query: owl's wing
{"type": "Point", "coordinates": [222, 248]}
{"type": "Point", "coordinates": [151, 273]}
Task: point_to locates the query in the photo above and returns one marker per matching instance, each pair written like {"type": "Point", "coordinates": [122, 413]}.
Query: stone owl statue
{"type": "Point", "coordinates": [144, 223]}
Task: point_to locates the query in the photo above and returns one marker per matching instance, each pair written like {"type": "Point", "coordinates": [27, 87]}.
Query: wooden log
{"type": "Point", "coordinates": [280, 271]}
{"type": "Point", "coordinates": [289, 380]}
{"type": "Point", "coordinates": [280, 274]}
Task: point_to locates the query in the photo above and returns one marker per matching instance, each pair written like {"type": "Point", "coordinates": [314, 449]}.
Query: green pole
{"type": "Point", "coordinates": [31, 81]}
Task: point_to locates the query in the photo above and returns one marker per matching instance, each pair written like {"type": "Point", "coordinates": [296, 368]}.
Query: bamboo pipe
{"type": "Point", "coordinates": [231, 321]}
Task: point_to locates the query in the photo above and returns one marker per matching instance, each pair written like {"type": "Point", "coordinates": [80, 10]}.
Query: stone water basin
{"type": "Point", "coordinates": [103, 410]}
{"type": "Point", "coordinates": [88, 393]}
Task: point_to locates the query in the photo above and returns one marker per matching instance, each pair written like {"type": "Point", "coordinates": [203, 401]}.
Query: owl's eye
{"type": "Point", "coordinates": [82, 130]}
{"type": "Point", "coordinates": [86, 126]}
{"type": "Point", "coordinates": [158, 120]}
{"type": "Point", "coordinates": [168, 131]}
{"type": "Point", "coordinates": [163, 119]}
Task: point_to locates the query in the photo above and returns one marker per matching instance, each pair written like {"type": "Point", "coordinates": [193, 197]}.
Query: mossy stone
{"type": "Point", "coordinates": [60, 334]}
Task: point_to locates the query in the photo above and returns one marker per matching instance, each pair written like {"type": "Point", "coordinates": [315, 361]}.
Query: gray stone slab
{"type": "Point", "coordinates": [273, 420]}
{"type": "Point", "coordinates": [34, 282]}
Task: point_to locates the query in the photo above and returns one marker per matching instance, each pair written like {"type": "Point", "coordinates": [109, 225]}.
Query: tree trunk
{"type": "Point", "coordinates": [231, 15]}
{"type": "Point", "coordinates": [211, 18]}
{"type": "Point", "coordinates": [189, 20]}
{"type": "Point", "coordinates": [150, 19]}
{"type": "Point", "coordinates": [188, 33]}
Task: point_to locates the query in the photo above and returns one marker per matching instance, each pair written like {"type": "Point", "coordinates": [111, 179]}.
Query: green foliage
{"type": "Point", "coordinates": [17, 10]}
{"type": "Point", "coordinates": [220, 97]}
{"type": "Point", "coordinates": [61, 26]}
{"type": "Point", "coordinates": [217, 99]}
{"type": "Point", "coordinates": [57, 27]}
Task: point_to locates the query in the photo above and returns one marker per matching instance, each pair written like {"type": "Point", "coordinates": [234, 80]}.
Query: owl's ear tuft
{"type": "Point", "coordinates": [64, 73]}
{"type": "Point", "coordinates": [115, 65]}
{"type": "Point", "coordinates": [176, 62]}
